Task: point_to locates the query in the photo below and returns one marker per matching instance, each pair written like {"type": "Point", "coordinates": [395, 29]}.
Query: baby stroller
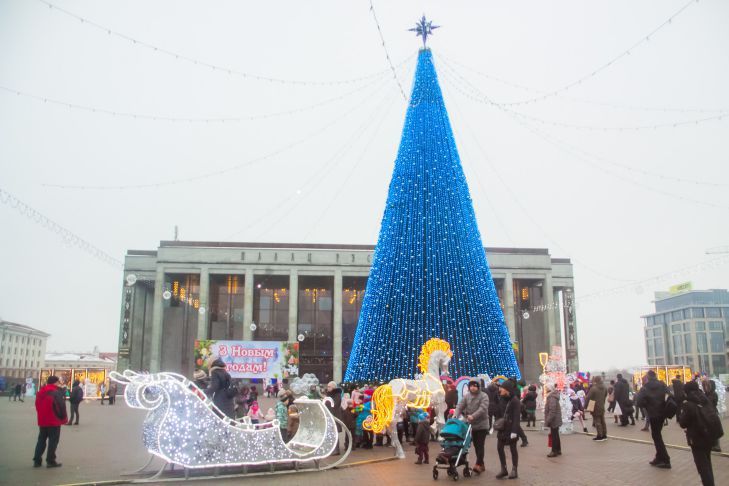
{"type": "Point", "coordinates": [456, 436]}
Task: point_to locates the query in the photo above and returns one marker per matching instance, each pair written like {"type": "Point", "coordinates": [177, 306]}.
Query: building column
{"type": "Point", "coordinates": [548, 294]}
{"type": "Point", "coordinates": [248, 305]}
{"type": "Point", "coordinates": [155, 348]}
{"type": "Point", "coordinates": [509, 306]}
{"type": "Point", "coordinates": [202, 318]}
{"type": "Point", "coordinates": [337, 333]}
{"type": "Point", "coordinates": [293, 305]}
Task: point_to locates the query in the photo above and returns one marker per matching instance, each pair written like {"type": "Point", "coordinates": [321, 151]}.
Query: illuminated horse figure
{"type": "Point", "coordinates": [389, 401]}
{"type": "Point", "coordinates": [184, 427]}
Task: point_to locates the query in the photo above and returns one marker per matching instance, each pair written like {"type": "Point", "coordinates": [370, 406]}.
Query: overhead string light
{"type": "Point", "coordinates": [643, 172]}
{"type": "Point", "coordinates": [318, 177]}
{"type": "Point", "coordinates": [257, 160]}
{"type": "Point", "coordinates": [387, 53]}
{"type": "Point", "coordinates": [642, 41]}
{"type": "Point", "coordinates": [67, 236]}
{"type": "Point", "coordinates": [520, 205]}
{"type": "Point", "coordinates": [175, 119]}
{"type": "Point", "coordinates": [429, 275]}
{"type": "Point", "coordinates": [615, 106]}
{"type": "Point", "coordinates": [204, 64]}
{"type": "Point", "coordinates": [476, 95]}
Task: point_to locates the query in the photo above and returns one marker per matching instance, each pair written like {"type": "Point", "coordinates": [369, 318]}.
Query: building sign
{"type": "Point", "coordinates": [249, 359]}
{"type": "Point", "coordinates": [682, 287]}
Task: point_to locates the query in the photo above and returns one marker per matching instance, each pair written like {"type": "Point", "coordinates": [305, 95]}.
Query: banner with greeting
{"type": "Point", "coordinates": [249, 359]}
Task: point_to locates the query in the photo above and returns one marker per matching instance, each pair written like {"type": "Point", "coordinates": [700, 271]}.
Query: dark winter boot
{"type": "Point", "coordinates": [513, 474]}
{"type": "Point", "coordinates": [503, 473]}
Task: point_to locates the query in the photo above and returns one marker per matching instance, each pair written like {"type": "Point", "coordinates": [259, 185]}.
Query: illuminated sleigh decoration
{"type": "Point", "coordinates": [185, 428]}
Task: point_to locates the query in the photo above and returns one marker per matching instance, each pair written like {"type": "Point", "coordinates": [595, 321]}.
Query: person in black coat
{"type": "Point", "coordinates": [335, 393]}
{"type": "Point", "coordinates": [652, 397]}
{"type": "Point", "coordinates": [509, 433]}
{"type": "Point", "coordinates": [530, 405]}
{"type": "Point", "coordinates": [220, 389]}
{"type": "Point", "coordinates": [492, 390]}
{"type": "Point", "coordinates": [689, 420]}
{"type": "Point", "coordinates": [77, 395]}
{"type": "Point", "coordinates": [678, 393]}
{"type": "Point", "coordinates": [622, 397]}
{"type": "Point", "coordinates": [709, 388]}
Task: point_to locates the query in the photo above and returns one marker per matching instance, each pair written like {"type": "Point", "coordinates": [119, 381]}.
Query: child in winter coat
{"type": "Point", "coordinates": [422, 437]}
{"type": "Point", "coordinates": [530, 405]}
{"type": "Point", "coordinates": [255, 413]}
{"type": "Point", "coordinates": [282, 414]}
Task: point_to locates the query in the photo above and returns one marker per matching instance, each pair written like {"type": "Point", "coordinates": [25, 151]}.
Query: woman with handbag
{"type": "Point", "coordinates": [553, 419]}
{"type": "Point", "coordinates": [507, 428]}
{"type": "Point", "coordinates": [596, 406]}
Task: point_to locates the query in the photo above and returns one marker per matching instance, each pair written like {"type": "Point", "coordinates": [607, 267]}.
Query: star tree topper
{"type": "Point", "coordinates": [424, 28]}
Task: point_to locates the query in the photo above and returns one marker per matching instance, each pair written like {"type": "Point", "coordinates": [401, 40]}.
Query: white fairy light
{"type": "Point", "coordinates": [184, 427]}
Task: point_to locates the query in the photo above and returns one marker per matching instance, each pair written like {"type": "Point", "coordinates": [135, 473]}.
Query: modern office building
{"type": "Point", "coordinates": [185, 291]}
{"type": "Point", "coordinates": [689, 328]}
{"type": "Point", "coordinates": [22, 351]}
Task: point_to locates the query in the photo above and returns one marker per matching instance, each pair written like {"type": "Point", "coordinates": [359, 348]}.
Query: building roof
{"type": "Point", "coordinates": [315, 246]}
{"type": "Point", "coordinates": [80, 357]}
{"type": "Point", "coordinates": [22, 328]}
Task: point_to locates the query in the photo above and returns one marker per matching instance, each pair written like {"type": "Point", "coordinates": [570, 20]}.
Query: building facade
{"type": "Point", "coordinates": [22, 351]}
{"type": "Point", "coordinates": [185, 291]}
{"type": "Point", "coordinates": [689, 329]}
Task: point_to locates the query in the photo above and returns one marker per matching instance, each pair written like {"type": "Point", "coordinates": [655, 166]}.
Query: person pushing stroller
{"type": "Point", "coordinates": [474, 408]}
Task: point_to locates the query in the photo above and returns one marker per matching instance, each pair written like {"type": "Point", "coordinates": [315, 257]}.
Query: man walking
{"type": "Point", "coordinates": [50, 406]}
{"type": "Point", "coordinates": [597, 394]}
{"type": "Point", "coordinates": [77, 395]}
{"type": "Point", "coordinates": [653, 398]}
{"type": "Point", "coordinates": [678, 393]}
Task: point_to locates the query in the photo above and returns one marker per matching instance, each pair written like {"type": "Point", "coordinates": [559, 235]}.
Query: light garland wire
{"type": "Point", "coordinates": [197, 62]}
{"type": "Point", "coordinates": [643, 172]}
{"type": "Point", "coordinates": [616, 106]}
{"type": "Point", "coordinates": [173, 119]}
{"type": "Point", "coordinates": [480, 97]}
{"type": "Point", "coordinates": [387, 53]}
{"type": "Point", "coordinates": [225, 170]}
{"type": "Point", "coordinates": [318, 177]}
{"type": "Point", "coordinates": [585, 157]}
{"type": "Point", "coordinates": [66, 235]}
{"type": "Point", "coordinates": [607, 64]}
{"type": "Point", "coordinates": [517, 200]}
{"type": "Point", "coordinates": [352, 170]}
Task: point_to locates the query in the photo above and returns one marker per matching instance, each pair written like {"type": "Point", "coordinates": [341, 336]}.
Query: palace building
{"type": "Point", "coordinates": [188, 290]}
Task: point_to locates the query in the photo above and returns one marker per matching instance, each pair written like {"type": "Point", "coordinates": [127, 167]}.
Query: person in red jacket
{"type": "Point", "coordinates": [51, 408]}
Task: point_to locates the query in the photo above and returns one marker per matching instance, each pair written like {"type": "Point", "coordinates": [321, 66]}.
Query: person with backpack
{"type": "Point", "coordinates": [709, 388]}
{"type": "Point", "coordinates": [678, 393]}
{"type": "Point", "coordinates": [703, 428]}
{"type": "Point", "coordinates": [220, 389]}
{"type": "Point", "coordinates": [652, 397]}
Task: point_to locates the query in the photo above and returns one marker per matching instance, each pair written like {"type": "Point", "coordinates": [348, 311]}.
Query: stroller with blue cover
{"type": "Point", "coordinates": [456, 439]}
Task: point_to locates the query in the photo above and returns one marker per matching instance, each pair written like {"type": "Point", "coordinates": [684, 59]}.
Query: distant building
{"type": "Point", "coordinates": [90, 369]}
{"type": "Point", "coordinates": [689, 328]}
{"type": "Point", "coordinates": [22, 351]}
{"type": "Point", "coordinates": [188, 290]}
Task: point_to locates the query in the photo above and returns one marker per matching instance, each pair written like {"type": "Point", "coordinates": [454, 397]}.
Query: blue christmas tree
{"type": "Point", "coordinates": [429, 276]}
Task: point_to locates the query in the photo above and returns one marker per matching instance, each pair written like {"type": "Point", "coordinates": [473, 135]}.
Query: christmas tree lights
{"type": "Point", "coordinates": [429, 276]}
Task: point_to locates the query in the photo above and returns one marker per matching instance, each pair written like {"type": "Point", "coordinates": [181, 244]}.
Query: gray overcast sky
{"type": "Point", "coordinates": [531, 183]}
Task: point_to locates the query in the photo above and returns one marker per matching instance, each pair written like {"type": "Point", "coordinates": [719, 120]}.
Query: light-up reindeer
{"type": "Point", "coordinates": [390, 401]}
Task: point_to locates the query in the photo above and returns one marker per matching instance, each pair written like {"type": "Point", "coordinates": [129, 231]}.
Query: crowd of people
{"type": "Point", "coordinates": [497, 407]}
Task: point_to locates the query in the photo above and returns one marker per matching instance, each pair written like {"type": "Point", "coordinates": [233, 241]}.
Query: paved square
{"type": "Point", "coordinates": [107, 443]}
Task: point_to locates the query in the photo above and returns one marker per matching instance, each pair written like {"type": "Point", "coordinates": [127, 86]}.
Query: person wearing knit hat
{"type": "Point", "coordinates": [508, 429]}
{"type": "Point", "coordinates": [474, 407]}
